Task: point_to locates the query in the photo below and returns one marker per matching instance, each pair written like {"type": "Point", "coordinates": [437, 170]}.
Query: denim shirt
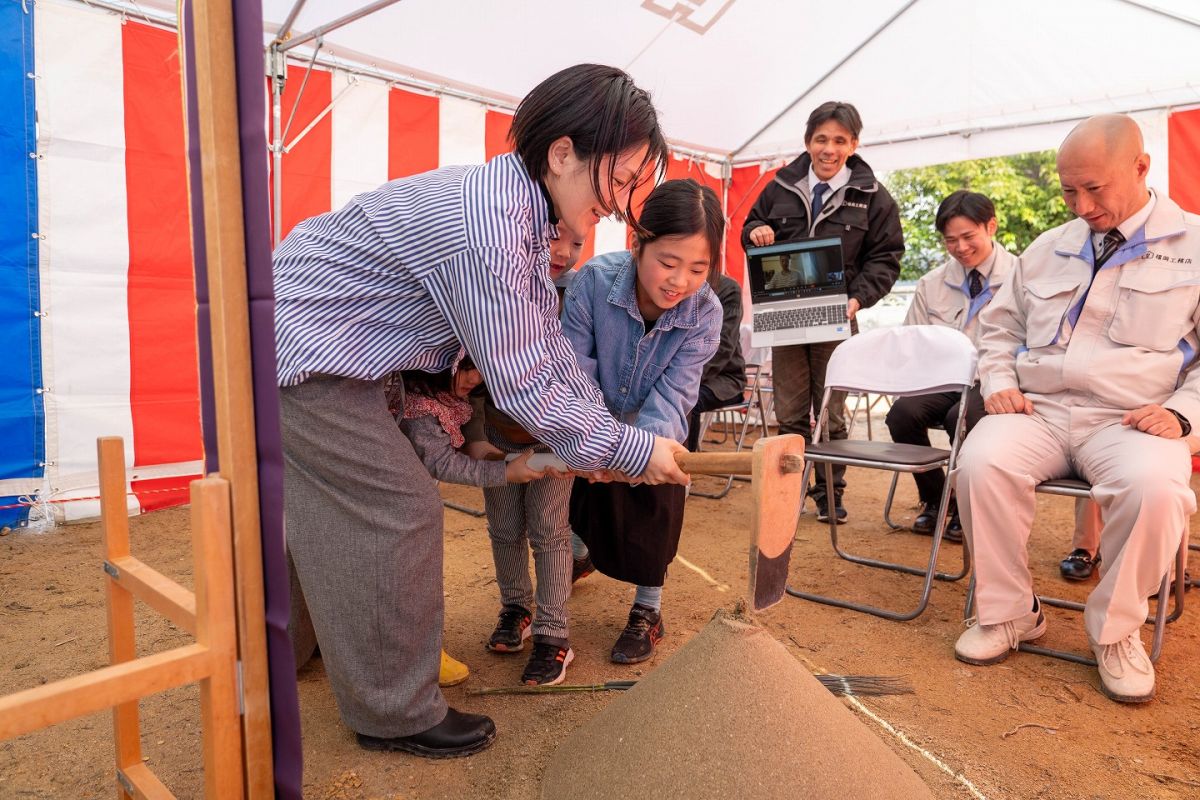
{"type": "Point", "coordinates": [649, 379]}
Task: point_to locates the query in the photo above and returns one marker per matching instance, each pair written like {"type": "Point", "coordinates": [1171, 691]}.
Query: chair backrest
{"type": "Point", "coordinates": [910, 359]}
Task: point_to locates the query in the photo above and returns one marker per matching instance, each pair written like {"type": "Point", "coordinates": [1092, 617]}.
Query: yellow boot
{"type": "Point", "coordinates": [453, 672]}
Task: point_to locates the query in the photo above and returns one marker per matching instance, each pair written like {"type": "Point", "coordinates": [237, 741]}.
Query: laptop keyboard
{"type": "Point", "coordinates": [799, 318]}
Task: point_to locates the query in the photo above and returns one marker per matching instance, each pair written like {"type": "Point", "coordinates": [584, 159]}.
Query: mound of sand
{"type": "Point", "coordinates": [731, 714]}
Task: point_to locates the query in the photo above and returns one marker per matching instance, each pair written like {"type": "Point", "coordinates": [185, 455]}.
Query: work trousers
{"type": "Point", "coordinates": [364, 531]}
{"type": "Point", "coordinates": [798, 378]}
{"type": "Point", "coordinates": [1139, 481]}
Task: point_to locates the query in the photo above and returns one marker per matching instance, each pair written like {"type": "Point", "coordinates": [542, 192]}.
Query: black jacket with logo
{"type": "Point", "coordinates": [861, 213]}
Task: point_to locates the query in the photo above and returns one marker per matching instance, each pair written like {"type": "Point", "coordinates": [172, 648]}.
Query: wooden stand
{"type": "Point", "coordinates": [211, 661]}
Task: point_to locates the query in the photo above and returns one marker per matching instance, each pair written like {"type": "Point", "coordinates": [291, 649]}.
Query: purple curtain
{"type": "Point", "coordinates": [248, 55]}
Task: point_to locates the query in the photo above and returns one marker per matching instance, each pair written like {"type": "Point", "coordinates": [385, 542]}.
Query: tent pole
{"type": "Point", "coordinates": [337, 23]}
{"type": "Point", "coordinates": [887, 24]}
{"type": "Point", "coordinates": [225, 242]}
{"type": "Point", "coordinates": [277, 65]}
{"type": "Point", "coordinates": [289, 21]}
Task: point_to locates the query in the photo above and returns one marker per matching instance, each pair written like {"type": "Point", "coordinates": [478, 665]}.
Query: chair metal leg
{"type": "Point", "coordinates": [929, 573]}
{"type": "Point", "coordinates": [887, 507]}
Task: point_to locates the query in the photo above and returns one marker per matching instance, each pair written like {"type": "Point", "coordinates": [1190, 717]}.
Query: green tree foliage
{"type": "Point", "coordinates": [1024, 188]}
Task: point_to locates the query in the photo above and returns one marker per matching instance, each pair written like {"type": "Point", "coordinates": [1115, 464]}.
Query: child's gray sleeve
{"type": "Point", "coordinates": [443, 461]}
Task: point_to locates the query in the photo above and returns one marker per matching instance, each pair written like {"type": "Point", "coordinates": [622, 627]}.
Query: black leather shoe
{"type": "Point", "coordinates": [1079, 565]}
{"type": "Point", "coordinates": [926, 520]}
{"type": "Point", "coordinates": [954, 530]}
{"type": "Point", "coordinates": [457, 735]}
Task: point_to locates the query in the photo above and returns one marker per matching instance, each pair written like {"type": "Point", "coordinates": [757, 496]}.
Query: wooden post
{"type": "Point", "coordinates": [220, 163]}
{"type": "Point", "coordinates": [216, 630]}
{"type": "Point", "coordinates": [114, 524]}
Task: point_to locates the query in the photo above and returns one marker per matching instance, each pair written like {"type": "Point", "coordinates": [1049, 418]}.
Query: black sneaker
{"type": "Point", "coordinates": [512, 629]}
{"type": "Point", "coordinates": [581, 568]}
{"type": "Point", "coordinates": [838, 509]}
{"type": "Point", "coordinates": [642, 633]}
{"type": "Point", "coordinates": [547, 663]}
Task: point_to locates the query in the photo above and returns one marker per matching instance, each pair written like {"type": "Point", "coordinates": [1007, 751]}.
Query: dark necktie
{"type": "Point", "coordinates": [1112, 240]}
{"type": "Point", "coordinates": [975, 283]}
{"type": "Point", "coordinates": [818, 199]}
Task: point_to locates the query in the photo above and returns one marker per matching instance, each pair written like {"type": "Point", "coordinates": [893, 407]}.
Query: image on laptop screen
{"type": "Point", "coordinates": [802, 268]}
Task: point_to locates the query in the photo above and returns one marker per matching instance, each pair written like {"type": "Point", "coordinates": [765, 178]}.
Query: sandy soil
{"type": "Point", "coordinates": [1029, 728]}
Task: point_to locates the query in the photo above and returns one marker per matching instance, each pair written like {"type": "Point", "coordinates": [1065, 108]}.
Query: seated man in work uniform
{"type": "Point", "coordinates": [953, 295]}
{"type": "Point", "coordinates": [1084, 363]}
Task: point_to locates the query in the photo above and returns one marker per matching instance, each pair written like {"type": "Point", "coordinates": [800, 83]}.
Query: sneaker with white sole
{"type": "Point", "coordinates": [512, 629]}
{"type": "Point", "coordinates": [1126, 672]}
{"type": "Point", "coordinates": [990, 644]}
{"type": "Point", "coordinates": [548, 662]}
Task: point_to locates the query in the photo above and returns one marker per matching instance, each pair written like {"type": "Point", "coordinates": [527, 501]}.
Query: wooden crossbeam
{"type": "Point", "coordinates": [101, 689]}
{"type": "Point", "coordinates": [155, 590]}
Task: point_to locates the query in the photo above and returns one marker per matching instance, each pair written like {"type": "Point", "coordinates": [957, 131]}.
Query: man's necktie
{"type": "Point", "coordinates": [1112, 240]}
{"type": "Point", "coordinates": [976, 283]}
{"type": "Point", "coordinates": [818, 199]}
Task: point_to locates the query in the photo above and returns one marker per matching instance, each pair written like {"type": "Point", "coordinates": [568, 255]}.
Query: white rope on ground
{"type": "Point", "coordinates": [716, 584]}
{"type": "Point", "coordinates": [902, 737]}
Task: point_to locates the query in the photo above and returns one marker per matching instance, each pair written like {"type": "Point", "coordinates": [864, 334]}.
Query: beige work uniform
{"type": "Point", "coordinates": [939, 298]}
{"type": "Point", "coordinates": [1127, 348]}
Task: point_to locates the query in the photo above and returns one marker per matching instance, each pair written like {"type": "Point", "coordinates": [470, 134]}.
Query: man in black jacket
{"type": "Point", "coordinates": [852, 205]}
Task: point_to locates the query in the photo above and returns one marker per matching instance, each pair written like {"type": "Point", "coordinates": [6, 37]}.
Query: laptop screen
{"type": "Point", "coordinates": [796, 269]}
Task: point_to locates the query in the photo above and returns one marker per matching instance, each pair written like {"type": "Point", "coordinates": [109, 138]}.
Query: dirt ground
{"type": "Point", "coordinates": [1031, 727]}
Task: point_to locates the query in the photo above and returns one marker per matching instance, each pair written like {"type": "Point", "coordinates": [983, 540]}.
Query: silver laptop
{"type": "Point", "coordinates": [798, 292]}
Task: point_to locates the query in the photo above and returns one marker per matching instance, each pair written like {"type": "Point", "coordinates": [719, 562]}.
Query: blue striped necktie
{"type": "Point", "coordinates": [818, 199]}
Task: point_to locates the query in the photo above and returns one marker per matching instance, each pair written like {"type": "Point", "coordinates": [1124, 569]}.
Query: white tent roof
{"type": "Point", "coordinates": [935, 80]}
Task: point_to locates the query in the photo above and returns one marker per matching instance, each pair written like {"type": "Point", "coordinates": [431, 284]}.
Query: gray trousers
{"type": "Point", "coordinates": [364, 531]}
{"type": "Point", "coordinates": [532, 515]}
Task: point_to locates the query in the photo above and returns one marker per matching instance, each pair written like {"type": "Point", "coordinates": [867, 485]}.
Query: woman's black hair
{"type": "Point", "coordinates": [430, 383]}
{"type": "Point", "coordinates": [602, 112]}
{"type": "Point", "coordinates": [684, 208]}
{"type": "Point", "coordinates": [843, 114]}
{"type": "Point", "coordinates": [974, 206]}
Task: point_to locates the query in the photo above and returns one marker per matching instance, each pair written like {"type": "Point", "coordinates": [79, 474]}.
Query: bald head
{"type": "Point", "coordinates": [1102, 167]}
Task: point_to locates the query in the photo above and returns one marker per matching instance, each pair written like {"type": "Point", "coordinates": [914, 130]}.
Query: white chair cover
{"type": "Point", "coordinates": [909, 360]}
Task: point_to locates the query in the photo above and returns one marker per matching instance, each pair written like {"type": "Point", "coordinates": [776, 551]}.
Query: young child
{"type": "Point", "coordinates": [431, 409]}
{"type": "Point", "coordinates": [643, 324]}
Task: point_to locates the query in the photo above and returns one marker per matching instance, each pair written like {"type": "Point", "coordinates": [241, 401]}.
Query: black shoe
{"type": "Point", "coordinates": [954, 530]}
{"type": "Point", "coordinates": [512, 629]}
{"type": "Point", "coordinates": [548, 662]}
{"type": "Point", "coordinates": [642, 633]}
{"type": "Point", "coordinates": [457, 735]}
{"type": "Point", "coordinates": [581, 568]}
{"type": "Point", "coordinates": [926, 519]}
{"type": "Point", "coordinates": [1079, 565]}
{"type": "Point", "coordinates": [838, 509]}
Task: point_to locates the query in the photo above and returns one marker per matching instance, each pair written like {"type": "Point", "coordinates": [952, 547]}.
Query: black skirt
{"type": "Point", "coordinates": [631, 531]}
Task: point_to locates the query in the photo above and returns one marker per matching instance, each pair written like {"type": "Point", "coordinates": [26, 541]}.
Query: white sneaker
{"type": "Point", "coordinates": [1126, 674]}
{"type": "Point", "coordinates": [991, 644]}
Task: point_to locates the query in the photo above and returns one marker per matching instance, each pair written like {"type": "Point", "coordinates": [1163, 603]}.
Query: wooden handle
{"type": "Point", "coordinates": [729, 463]}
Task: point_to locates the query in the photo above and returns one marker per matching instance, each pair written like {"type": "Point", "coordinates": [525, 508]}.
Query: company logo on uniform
{"type": "Point", "coordinates": [1148, 255]}
{"type": "Point", "coordinates": [855, 205]}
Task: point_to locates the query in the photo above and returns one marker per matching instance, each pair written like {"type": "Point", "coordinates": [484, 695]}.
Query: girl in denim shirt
{"type": "Point", "coordinates": [643, 323]}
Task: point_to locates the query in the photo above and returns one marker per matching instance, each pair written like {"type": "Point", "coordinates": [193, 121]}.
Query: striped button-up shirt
{"type": "Point", "coordinates": [402, 275]}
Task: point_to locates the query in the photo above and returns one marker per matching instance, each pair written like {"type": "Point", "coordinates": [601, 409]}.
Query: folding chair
{"type": "Point", "coordinates": [1073, 487]}
{"type": "Point", "coordinates": [752, 398]}
{"type": "Point", "coordinates": [909, 360]}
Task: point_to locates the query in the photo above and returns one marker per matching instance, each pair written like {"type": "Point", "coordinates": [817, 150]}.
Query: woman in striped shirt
{"type": "Point", "coordinates": [400, 279]}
